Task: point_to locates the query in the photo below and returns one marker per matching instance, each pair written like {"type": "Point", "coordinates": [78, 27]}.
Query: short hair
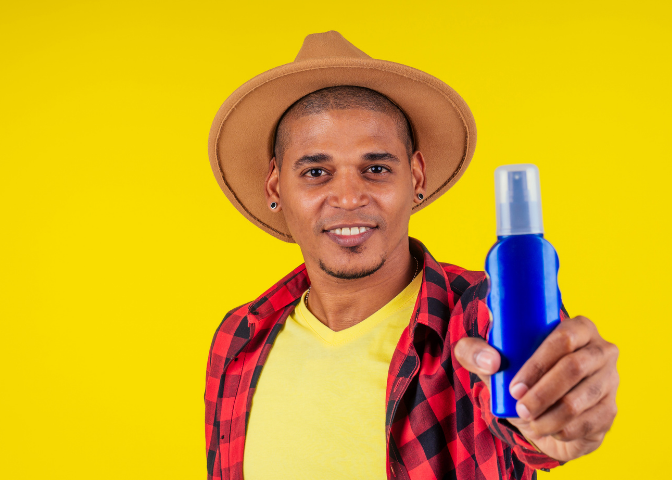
{"type": "Point", "coordinates": [341, 98]}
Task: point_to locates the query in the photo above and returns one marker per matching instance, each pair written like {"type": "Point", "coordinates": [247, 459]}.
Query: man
{"type": "Point", "coordinates": [370, 361]}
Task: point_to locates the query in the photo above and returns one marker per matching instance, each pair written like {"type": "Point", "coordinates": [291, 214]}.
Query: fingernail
{"type": "Point", "coordinates": [522, 411]}
{"type": "Point", "coordinates": [485, 361]}
{"type": "Point", "coordinates": [518, 390]}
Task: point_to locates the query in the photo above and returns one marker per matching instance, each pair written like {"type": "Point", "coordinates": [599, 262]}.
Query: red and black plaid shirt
{"type": "Point", "coordinates": [438, 421]}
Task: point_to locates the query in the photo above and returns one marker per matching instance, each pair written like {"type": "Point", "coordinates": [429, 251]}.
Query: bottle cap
{"type": "Point", "coordinates": [518, 198]}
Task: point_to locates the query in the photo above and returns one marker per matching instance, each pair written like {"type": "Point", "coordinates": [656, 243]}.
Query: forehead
{"type": "Point", "coordinates": [343, 126]}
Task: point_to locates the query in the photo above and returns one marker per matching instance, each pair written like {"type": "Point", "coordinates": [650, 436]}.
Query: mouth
{"type": "Point", "coordinates": [350, 235]}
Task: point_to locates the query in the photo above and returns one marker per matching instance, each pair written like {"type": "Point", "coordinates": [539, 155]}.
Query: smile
{"type": "Point", "coordinates": [350, 236]}
{"type": "Point", "coordinates": [349, 231]}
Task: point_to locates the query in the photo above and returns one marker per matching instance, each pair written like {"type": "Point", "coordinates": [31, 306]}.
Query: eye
{"type": "Point", "coordinates": [315, 172]}
{"type": "Point", "coordinates": [377, 169]}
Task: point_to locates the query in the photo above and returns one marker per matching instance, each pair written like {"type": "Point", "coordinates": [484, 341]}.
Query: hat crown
{"type": "Point", "coordinates": [327, 44]}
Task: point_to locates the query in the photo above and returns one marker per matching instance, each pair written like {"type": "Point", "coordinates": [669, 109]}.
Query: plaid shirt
{"type": "Point", "coordinates": [438, 422]}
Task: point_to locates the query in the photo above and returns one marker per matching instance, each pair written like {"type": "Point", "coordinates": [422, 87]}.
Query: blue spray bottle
{"type": "Point", "coordinates": [522, 268]}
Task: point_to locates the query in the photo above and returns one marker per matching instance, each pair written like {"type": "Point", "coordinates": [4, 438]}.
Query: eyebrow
{"type": "Point", "coordinates": [381, 156]}
{"type": "Point", "coordinates": [310, 159]}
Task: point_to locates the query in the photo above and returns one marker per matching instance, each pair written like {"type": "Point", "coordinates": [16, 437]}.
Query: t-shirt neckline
{"type": "Point", "coordinates": [408, 294]}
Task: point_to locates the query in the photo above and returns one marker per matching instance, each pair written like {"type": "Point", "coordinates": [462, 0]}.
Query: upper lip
{"type": "Point", "coordinates": [349, 225]}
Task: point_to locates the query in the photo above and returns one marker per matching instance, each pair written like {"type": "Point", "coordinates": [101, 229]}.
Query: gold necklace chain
{"type": "Point", "coordinates": [417, 269]}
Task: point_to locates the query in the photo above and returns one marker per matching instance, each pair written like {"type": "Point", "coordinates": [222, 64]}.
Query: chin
{"type": "Point", "coordinates": [350, 272]}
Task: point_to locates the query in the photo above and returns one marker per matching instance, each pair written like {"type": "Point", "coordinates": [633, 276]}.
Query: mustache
{"type": "Point", "coordinates": [359, 218]}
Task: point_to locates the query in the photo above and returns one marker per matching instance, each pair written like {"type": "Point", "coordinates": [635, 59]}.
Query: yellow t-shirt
{"type": "Point", "coordinates": [319, 408]}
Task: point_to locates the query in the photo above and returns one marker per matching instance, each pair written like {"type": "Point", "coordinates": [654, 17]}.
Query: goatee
{"type": "Point", "coordinates": [349, 275]}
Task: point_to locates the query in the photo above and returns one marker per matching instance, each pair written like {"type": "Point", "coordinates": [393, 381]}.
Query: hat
{"type": "Point", "coordinates": [241, 137]}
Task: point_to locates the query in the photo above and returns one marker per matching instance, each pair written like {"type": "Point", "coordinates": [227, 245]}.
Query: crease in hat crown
{"type": "Point", "coordinates": [242, 133]}
{"type": "Point", "coordinates": [327, 44]}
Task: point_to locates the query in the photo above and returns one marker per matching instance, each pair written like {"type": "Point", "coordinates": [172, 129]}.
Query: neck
{"type": "Point", "coordinates": [340, 304]}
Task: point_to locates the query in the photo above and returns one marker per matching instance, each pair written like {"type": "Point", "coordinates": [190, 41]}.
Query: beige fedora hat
{"type": "Point", "coordinates": [241, 138]}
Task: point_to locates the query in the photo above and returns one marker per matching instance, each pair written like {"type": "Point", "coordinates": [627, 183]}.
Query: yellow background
{"type": "Point", "coordinates": [120, 254]}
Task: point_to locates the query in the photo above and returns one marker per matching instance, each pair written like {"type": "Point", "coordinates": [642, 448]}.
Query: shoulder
{"type": "Point", "coordinates": [465, 283]}
{"type": "Point", "coordinates": [469, 314]}
{"type": "Point", "coordinates": [233, 329]}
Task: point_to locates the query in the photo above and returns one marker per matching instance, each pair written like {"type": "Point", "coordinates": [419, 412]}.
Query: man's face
{"type": "Point", "coordinates": [345, 170]}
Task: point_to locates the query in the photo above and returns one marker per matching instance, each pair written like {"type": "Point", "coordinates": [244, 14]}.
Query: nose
{"type": "Point", "coordinates": [348, 191]}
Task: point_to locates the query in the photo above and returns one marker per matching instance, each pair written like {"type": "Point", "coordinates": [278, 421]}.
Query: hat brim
{"type": "Point", "coordinates": [241, 137]}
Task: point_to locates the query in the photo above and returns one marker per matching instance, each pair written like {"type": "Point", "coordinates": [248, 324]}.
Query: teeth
{"type": "Point", "coordinates": [350, 231]}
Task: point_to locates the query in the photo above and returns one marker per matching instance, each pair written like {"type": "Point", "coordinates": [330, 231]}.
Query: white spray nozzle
{"type": "Point", "coordinates": [518, 197]}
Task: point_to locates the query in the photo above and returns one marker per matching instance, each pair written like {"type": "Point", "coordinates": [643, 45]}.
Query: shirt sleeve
{"type": "Point", "coordinates": [226, 343]}
{"type": "Point", "coordinates": [212, 380]}
{"type": "Point", "coordinates": [501, 428]}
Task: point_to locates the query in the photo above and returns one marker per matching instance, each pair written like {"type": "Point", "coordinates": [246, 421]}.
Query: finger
{"type": "Point", "coordinates": [567, 337]}
{"type": "Point", "coordinates": [592, 424]}
{"type": "Point", "coordinates": [521, 424]}
{"type": "Point", "coordinates": [580, 399]}
{"type": "Point", "coordinates": [565, 375]}
{"type": "Point", "coordinates": [477, 356]}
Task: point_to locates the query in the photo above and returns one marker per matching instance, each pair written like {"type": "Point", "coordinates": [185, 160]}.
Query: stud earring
{"type": "Point", "coordinates": [420, 196]}
{"type": "Point", "coordinates": [274, 205]}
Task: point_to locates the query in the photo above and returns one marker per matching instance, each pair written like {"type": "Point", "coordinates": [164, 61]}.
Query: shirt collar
{"type": "Point", "coordinates": [432, 308]}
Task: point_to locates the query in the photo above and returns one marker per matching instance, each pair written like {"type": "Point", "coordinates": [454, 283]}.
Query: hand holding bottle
{"type": "Point", "coordinates": [566, 391]}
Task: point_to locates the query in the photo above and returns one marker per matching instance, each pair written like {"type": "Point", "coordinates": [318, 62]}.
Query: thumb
{"type": "Point", "coordinates": [478, 357]}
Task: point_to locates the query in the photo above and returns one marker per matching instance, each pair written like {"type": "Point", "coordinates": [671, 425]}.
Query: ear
{"type": "Point", "coordinates": [418, 176]}
{"type": "Point", "coordinates": [272, 186]}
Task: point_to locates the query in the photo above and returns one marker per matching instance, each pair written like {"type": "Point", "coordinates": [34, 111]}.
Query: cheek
{"type": "Point", "coordinates": [301, 213]}
{"type": "Point", "coordinates": [396, 208]}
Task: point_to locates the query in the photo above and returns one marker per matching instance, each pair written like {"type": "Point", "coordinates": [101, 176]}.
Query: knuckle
{"type": "Point", "coordinates": [571, 406]}
{"type": "Point", "coordinates": [574, 366]}
{"type": "Point", "coordinates": [617, 378]}
{"type": "Point", "coordinates": [595, 391]}
{"type": "Point", "coordinates": [531, 371]}
{"type": "Point", "coordinates": [588, 324]}
{"type": "Point", "coordinates": [538, 369]}
{"type": "Point", "coordinates": [613, 411]}
{"type": "Point", "coordinates": [587, 427]}
{"type": "Point", "coordinates": [581, 321]}
{"type": "Point", "coordinates": [612, 350]}
{"type": "Point", "coordinates": [567, 340]}
{"type": "Point", "coordinates": [595, 351]}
